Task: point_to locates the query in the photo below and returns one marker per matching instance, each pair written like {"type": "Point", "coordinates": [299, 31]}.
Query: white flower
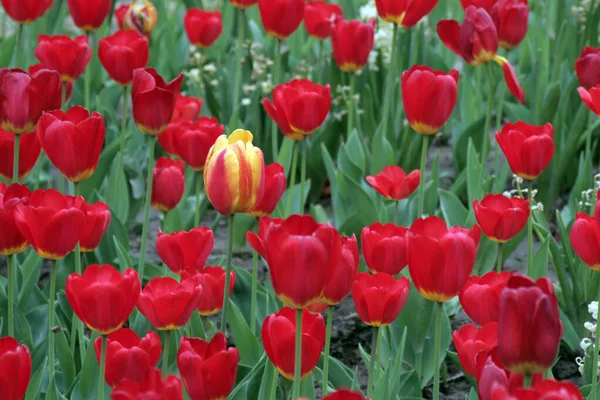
{"type": "Point", "coordinates": [585, 343]}
{"type": "Point", "coordinates": [593, 309]}
{"type": "Point", "coordinates": [368, 11]}
{"type": "Point", "coordinates": [246, 101]}
{"type": "Point", "coordinates": [507, 194]}
{"type": "Point", "coordinates": [210, 68]}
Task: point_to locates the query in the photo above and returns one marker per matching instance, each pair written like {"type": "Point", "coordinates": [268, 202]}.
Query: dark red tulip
{"type": "Point", "coordinates": [440, 259]}
{"type": "Point", "coordinates": [153, 100]}
{"type": "Point", "coordinates": [279, 340]}
{"type": "Point", "coordinates": [243, 3]}
{"type": "Point", "coordinates": [128, 356]}
{"type": "Point", "coordinates": [192, 140]}
{"type": "Point", "coordinates": [406, 13]}
{"type": "Point", "coordinates": [61, 53]}
{"type": "Point", "coordinates": [72, 141]}
{"type": "Point", "coordinates": [152, 387]}
{"type": "Point", "coordinates": [591, 98]}
{"type": "Point", "coordinates": [187, 107]}
{"type": "Point", "coordinates": [26, 11]}
{"type": "Point", "coordinates": [212, 282]}
{"type": "Point", "coordinates": [530, 324]}
{"type": "Point", "coordinates": [471, 342]}
{"type": "Point", "coordinates": [528, 148]}
{"type": "Point", "coordinates": [393, 183]}
{"type": "Point", "coordinates": [341, 276]}
{"type": "Point", "coordinates": [24, 97]}
{"type": "Point", "coordinates": [352, 43]}
{"type": "Point", "coordinates": [511, 18]}
{"type": "Point", "coordinates": [300, 254]}
{"type": "Point", "coordinates": [97, 221]}
{"type": "Point", "coordinates": [51, 222]}
{"type": "Point", "coordinates": [545, 390]}
{"type": "Point", "coordinates": [122, 53]}
{"type": "Point", "coordinates": [384, 248]}
{"type": "Point", "coordinates": [275, 183]}
{"type": "Point", "coordinates": [480, 296]}
{"type": "Point", "coordinates": [487, 5]}
{"type": "Point", "coordinates": [585, 239]}
{"type": "Point", "coordinates": [379, 298]}
{"type": "Point", "coordinates": [501, 218]}
{"type": "Point", "coordinates": [344, 394]}
{"type": "Point", "coordinates": [318, 15]}
{"type": "Point", "coordinates": [168, 184]}
{"type": "Point", "coordinates": [208, 369]}
{"type": "Point", "coordinates": [102, 297]}
{"type": "Point", "coordinates": [185, 250]}
{"type": "Point", "coordinates": [11, 239]}
{"type": "Point", "coordinates": [202, 27]}
{"type": "Point", "coordinates": [29, 152]}
{"type": "Point", "coordinates": [35, 68]}
{"type": "Point", "coordinates": [587, 67]}
{"type": "Point", "coordinates": [89, 15]}
{"type": "Point", "coordinates": [281, 18]}
{"type": "Point", "coordinates": [15, 369]}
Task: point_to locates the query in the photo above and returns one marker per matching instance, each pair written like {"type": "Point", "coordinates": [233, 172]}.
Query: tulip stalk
{"type": "Point", "coordinates": [11, 264]}
{"type": "Point", "coordinates": [530, 230]}
{"type": "Point", "coordinates": [199, 180]}
{"type": "Point", "coordinates": [351, 107]}
{"type": "Point", "coordinates": [146, 208]}
{"type": "Point", "coordinates": [274, 144]}
{"type": "Point", "coordinates": [253, 299]}
{"type": "Point", "coordinates": [165, 363]}
{"type": "Point", "coordinates": [499, 259]}
{"type": "Point", "coordinates": [437, 350]}
{"type": "Point", "coordinates": [115, 184]}
{"type": "Point", "coordinates": [303, 174]}
{"type": "Point", "coordinates": [423, 167]}
{"type": "Point", "coordinates": [77, 325]}
{"type": "Point", "coordinates": [230, 221]}
{"type": "Point", "coordinates": [488, 120]}
{"type": "Point", "coordinates": [87, 76]}
{"type": "Point", "coordinates": [102, 368]}
{"type": "Point", "coordinates": [18, 52]}
{"type": "Point", "coordinates": [51, 318]}
{"type": "Point", "coordinates": [325, 385]}
{"type": "Point", "coordinates": [396, 206]}
{"type": "Point", "coordinates": [238, 59]}
{"type": "Point", "coordinates": [390, 83]}
{"type": "Point", "coordinates": [298, 355]}
{"type": "Point", "coordinates": [320, 62]}
{"type": "Point", "coordinates": [527, 383]}
{"type": "Point", "coordinates": [374, 364]}
{"type": "Point", "coordinates": [288, 207]}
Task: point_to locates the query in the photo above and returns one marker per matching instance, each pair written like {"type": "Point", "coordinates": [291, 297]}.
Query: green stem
{"type": "Point", "coordinates": [11, 260]}
{"type": "Point", "coordinates": [498, 125]}
{"type": "Point", "coordinates": [51, 319]}
{"type": "Point", "coordinates": [16, 149]}
{"type": "Point", "coordinates": [87, 76]}
{"type": "Point", "coordinates": [253, 299]}
{"type": "Point", "coordinates": [230, 221]}
{"type": "Point", "coordinates": [351, 106]}
{"type": "Point", "coordinates": [238, 60]}
{"type": "Point", "coordinates": [527, 383]}
{"type": "Point", "coordinates": [390, 87]}
{"type": "Point", "coordinates": [63, 97]}
{"type": "Point", "coordinates": [595, 360]}
{"type": "Point", "coordinates": [117, 179]}
{"type": "Point", "coordinates": [499, 259]}
{"type": "Point", "coordinates": [273, 392]}
{"type": "Point", "coordinates": [274, 141]}
{"type": "Point", "coordinates": [396, 206]}
{"type": "Point", "coordinates": [488, 120]}
{"type": "Point", "coordinates": [18, 53]}
{"type": "Point", "coordinates": [320, 62]}
{"type": "Point", "coordinates": [325, 385]}
{"type": "Point", "coordinates": [424, 147]}
{"type": "Point", "coordinates": [101, 382]}
{"type": "Point", "coordinates": [288, 206]}
{"type": "Point", "coordinates": [167, 345]}
{"type": "Point", "coordinates": [199, 181]}
{"type": "Point", "coordinates": [530, 230]}
{"type": "Point", "coordinates": [146, 208]}
{"type": "Point", "coordinates": [372, 364]}
{"type": "Point", "coordinates": [77, 325]}
{"type": "Point", "coordinates": [303, 175]}
{"type": "Point", "coordinates": [298, 355]}
{"type": "Point", "coordinates": [437, 350]}
{"type": "Point", "coordinates": [588, 142]}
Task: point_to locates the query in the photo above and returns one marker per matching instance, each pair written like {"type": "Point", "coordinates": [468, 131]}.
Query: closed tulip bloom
{"type": "Point", "coordinates": [528, 148]}
{"type": "Point", "coordinates": [187, 107]}
{"type": "Point", "coordinates": [122, 53]}
{"type": "Point", "coordinates": [168, 304]}
{"type": "Point", "coordinates": [29, 152]}
{"type": "Point", "coordinates": [379, 298]}
{"type": "Point", "coordinates": [406, 13]}
{"type": "Point", "coordinates": [208, 369]}
{"type": "Point", "coordinates": [89, 15]}
{"type": "Point", "coordinates": [24, 97]}
{"type": "Point", "coordinates": [192, 140]}
{"type": "Point", "coordinates": [128, 356]}
{"type": "Point", "coordinates": [318, 15]}
{"type": "Point", "coordinates": [34, 68]}
{"type": "Point", "coordinates": [341, 276]}
{"type": "Point", "coordinates": [120, 13]}
{"type": "Point", "coordinates": [530, 324]}
{"type": "Point", "coordinates": [281, 18]}
{"type": "Point", "coordinates": [141, 16]}
{"type": "Point", "coordinates": [168, 184]}
{"type": "Point", "coordinates": [234, 173]}
{"type": "Point", "coordinates": [300, 254]}
{"type": "Point", "coordinates": [72, 141]}
{"type": "Point", "coordinates": [501, 218]}
{"type": "Point", "coordinates": [212, 282]}
{"type": "Point", "coordinates": [510, 18]}
{"type": "Point", "coordinates": [591, 98]}
{"type": "Point", "coordinates": [546, 389]}
{"type": "Point", "coordinates": [202, 27]}
{"type": "Point", "coordinates": [384, 247]}
{"type": "Point", "coordinates": [61, 53]}
{"type": "Point", "coordinates": [275, 183]}
{"type": "Point", "coordinates": [352, 43]}
{"type": "Point", "coordinates": [15, 369]}
{"type": "Point", "coordinates": [587, 67]}
{"type": "Point", "coordinates": [102, 297]}
{"type": "Point", "coordinates": [585, 239]}
{"type": "Point", "coordinates": [243, 3]}
{"type": "Point", "coordinates": [393, 183]}
{"type": "Point", "coordinates": [487, 5]}
{"type": "Point", "coordinates": [344, 394]}
{"type": "Point", "coordinates": [152, 386]}
{"type": "Point", "coordinates": [96, 223]}
{"type": "Point", "coordinates": [471, 342]}
{"type": "Point", "coordinates": [428, 96]}
{"type": "Point", "coordinates": [480, 296]}
{"type": "Point", "coordinates": [153, 100]}
{"type": "Point", "coordinates": [440, 259]}
{"type": "Point", "coordinates": [185, 250]}
{"type": "Point", "coordinates": [52, 223]}
{"type": "Point", "coordinates": [26, 11]}
{"type": "Point", "coordinates": [12, 240]}
{"type": "Point", "coordinates": [279, 340]}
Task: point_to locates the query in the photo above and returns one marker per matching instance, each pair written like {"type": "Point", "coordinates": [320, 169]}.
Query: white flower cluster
{"type": "Point", "coordinates": [588, 198]}
{"type": "Point", "coordinates": [581, 12]}
{"type": "Point", "coordinates": [384, 36]}
{"type": "Point", "coordinates": [587, 342]}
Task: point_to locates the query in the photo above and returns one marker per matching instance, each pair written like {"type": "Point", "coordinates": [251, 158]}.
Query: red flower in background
{"type": "Point", "coordinates": [472, 343]}
{"type": "Point", "coordinates": [208, 369]}
{"type": "Point", "coordinates": [34, 68]}
{"type": "Point", "coordinates": [318, 16]}
{"type": "Point", "coordinates": [406, 13]}
{"type": "Point", "coordinates": [341, 276]}
{"type": "Point", "coordinates": [344, 394]}
{"type": "Point", "coordinates": [185, 250]}
{"type": "Point", "coordinates": [26, 11]}
{"type": "Point", "coordinates": [480, 296]}
{"type": "Point", "coordinates": [29, 152]}
{"type": "Point", "coordinates": [501, 218]}
{"type": "Point", "coordinates": [122, 53]}
{"type": "Point", "coordinates": [128, 356]}
{"type": "Point", "coordinates": [546, 389]}
{"type": "Point", "coordinates": [385, 248]}
{"type": "Point", "coordinates": [168, 184]}
{"type": "Point", "coordinates": [393, 183]}
{"type": "Point", "coordinates": [585, 239]}
{"type": "Point", "coordinates": [212, 282]}
{"type": "Point", "coordinates": [72, 141]}
{"type": "Point", "coordinates": [96, 223]}
{"type": "Point", "coordinates": [281, 18]}
{"type": "Point", "coordinates": [152, 386]}
{"type": "Point", "coordinates": [11, 239]}
{"type": "Point", "coordinates": [587, 67]}
{"type": "Point", "coordinates": [243, 3]}
{"type": "Point", "coordinates": [120, 13]}
{"type": "Point", "coordinates": [192, 140]}
{"type": "Point", "coordinates": [591, 98]}
{"type": "Point", "coordinates": [379, 298]}
{"type": "Point", "coordinates": [528, 148]}
{"type": "Point", "coordinates": [275, 183]}
{"type": "Point", "coordinates": [61, 53]}
{"type": "Point", "coordinates": [202, 27]}
{"type": "Point", "coordinates": [102, 297]}
{"type": "Point", "coordinates": [89, 15]}
{"type": "Point", "coordinates": [15, 369]}
{"type": "Point", "coordinates": [279, 340]}
{"type": "Point", "coordinates": [511, 18]}
{"type": "Point", "coordinates": [187, 107]}
{"type": "Point", "coordinates": [485, 4]}
{"type": "Point", "coordinates": [352, 43]}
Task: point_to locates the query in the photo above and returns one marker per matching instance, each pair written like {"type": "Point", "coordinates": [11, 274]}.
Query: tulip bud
{"type": "Point", "coordinates": [212, 282]}
{"type": "Point", "coordinates": [480, 296]}
{"type": "Point", "coordinates": [69, 57]}
{"type": "Point", "coordinates": [501, 218]}
{"type": "Point", "coordinates": [585, 239]}
{"type": "Point", "coordinates": [185, 250]}
{"type": "Point", "coordinates": [168, 184]}
{"type": "Point", "coordinates": [202, 27]}
{"type": "Point", "coordinates": [379, 298]}
{"type": "Point", "coordinates": [318, 16]}
{"type": "Point", "coordinates": [385, 248]}
{"type": "Point", "coordinates": [587, 67]}
{"type": "Point", "coordinates": [281, 18]}
{"type": "Point", "coordinates": [15, 365]}
{"type": "Point", "coordinates": [352, 43]}
{"type": "Point", "coordinates": [89, 15]}
{"type": "Point", "coordinates": [511, 18]}
{"type": "Point", "coordinates": [123, 52]}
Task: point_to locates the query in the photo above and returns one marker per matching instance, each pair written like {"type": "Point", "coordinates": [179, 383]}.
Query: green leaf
{"type": "Point", "coordinates": [117, 193]}
{"type": "Point", "coordinates": [268, 382]}
{"type": "Point", "coordinates": [7, 49]}
{"type": "Point", "coordinates": [455, 213]}
{"type": "Point", "coordinates": [383, 152]}
{"type": "Point", "coordinates": [124, 260]}
{"type": "Point", "coordinates": [243, 337]}
{"type": "Point", "coordinates": [65, 358]}
{"type": "Point", "coordinates": [88, 380]}
{"type": "Point", "coordinates": [35, 383]}
{"type": "Point", "coordinates": [487, 255]}
{"type": "Point", "coordinates": [540, 260]}
{"type": "Point", "coordinates": [474, 183]}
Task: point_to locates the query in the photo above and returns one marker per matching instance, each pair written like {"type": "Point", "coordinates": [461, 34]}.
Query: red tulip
{"type": "Point", "coordinates": [591, 98]}
{"type": "Point", "coordinates": [384, 248]}
{"type": "Point", "coordinates": [152, 386]}
{"type": "Point", "coordinates": [168, 304]}
{"type": "Point", "coordinates": [120, 13]}
{"type": "Point", "coordinates": [192, 140]}
{"type": "Point", "coordinates": [208, 369]}
{"type": "Point", "coordinates": [15, 369]}
{"type": "Point", "coordinates": [501, 218]}
{"type": "Point", "coordinates": [528, 148]}
{"type": "Point", "coordinates": [279, 340]}
{"type": "Point", "coordinates": [97, 222]}
{"type": "Point", "coordinates": [440, 260]}
{"type": "Point", "coordinates": [379, 298]}
{"type": "Point", "coordinates": [281, 18]}
{"type": "Point", "coordinates": [487, 5]}
{"type": "Point", "coordinates": [35, 68]}
{"type": "Point", "coordinates": [185, 250]}
{"type": "Point", "coordinates": [11, 239]}
{"type": "Point", "coordinates": [588, 67]}
{"type": "Point", "coordinates": [393, 183]}
{"type": "Point", "coordinates": [530, 324]}
{"type": "Point", "coordinates": [202, 27]}
{"type": "Point", "coordinates": [29, 152]}
{"type": "Point", "coordinates": [299, 107]}
{"type": "Point", "coordinates": [72, 141]}
{"type": "Point", "coordinates": [406, 13]}
{"type": "Point", "coordinates": [243, 3]}
{"type": "Point", "coordinates": [510, 77]}
{"type": "Point", "coordinates": [352, 43]}
{"type": "Point", "coordinates": [102, 297]}
{"type": "Point", "coordinates": [428, 96]}
{"type": "Point", "coordinates": [61, 53]}
{"type": "Point", "coordinates": [344, 394]}
{"type": "Point", "coordinates": [341, 276]}
{"type": "Point", "coordinates": [585, 239]}
{"type": "Point", "coordinates": [510, 18]}
{"type": "Point", "coordinates": [300, 254]}
{"type": "Point", "coordinates": [547, 389]}
{"type": "Point", "coordinates": [24, 97]}
{"type": "Point", "coordinates": [187, 107]}
{"type": "Point", "coordinates": [26, 11]}
{"type": "Point", "coordinates": [471, 342]}
{"type": "Point", "coordinates": [168, 184]}
{"type": "Point", "coordinates": [212, 282]}
{"type": "Point", "coordinates": [128, 356]}
{"type": "Point", "coordinates": [318, 15]}
{"type": "Point", "coordinates": [141, 16]}
{"type": "Point", "coordinates": [275, 183]}
{"type": "Point", "coordinates": [480, 296]}
{"type": "Point", "coordinates": [51, 222]}
{"type": "Point", "coordinates": [122, 53]}
{"type": "Point", "coordinates": [153, 100]}
{"type": "Point", "coordinates": [89, 15]}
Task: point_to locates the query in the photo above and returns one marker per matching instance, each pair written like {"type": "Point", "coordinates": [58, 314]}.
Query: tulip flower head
{"type": "Point", "coordinates": [191, 140]}
{"type": "Point", "coordinates": [585, 239]}
{"type": "Point", "coordinates": [123, 52]}
{"type": "Point", "coordinates": [202, 27]}
{"type": "Point", "coordinates": [406, 13]}
{"type": "Point", "coordinates": [385, 248]}
{"type": "Point", "coordinates": [97, 221]}
{"type": "Point", "coordinates": [185, 250]}
{"type": "Point", "coordinates": [12, 240]}
{"type": "Point", "coordinates": [379, 298]}
{"type": "Point", "coordinates": [15, 369]}
{"type": "Point", "coordinates": [187, 108]}
{"type": "Point", "coordinates": [89, 15]}
{"type": "Point", "coordinates": [168, 184]}
{"type": "Point", "coordinates": [275, 184]}
{"type": "Point", "coordinates": [393, 183]}
{"type": "Point", "coordinates": [587, 67]}
{"type": "Point", "coordinates": [591, 98]}
{"type": "Point", "coordinates": [344, 394]}
{"type": "Point", "coordinates": [510, 18]}
{"type": "Point", "coordinates": [212, 282]}
{"type": "Point", "coordinates": [318, 16]}
{"type": "Point", "coordinates": [546, 389]}
{"type": "Point", "coordinates": [152, 386]}
{"type": "Point", "coordinates": [501, 218]}
{"type": "Point", "coordinates": [480, 296]}
{"type": "Point", "coordinates": [34, 68]}
{"type": "Point", "coordinates": [141, 16]}
{"type": "Point", "coordinates": [487, 5]}
{"type": "Point", "coordinates": [281, 18]}
{"type": "Point", "coordinates": [69, 57]}
{"type": "Point", "coordinates": [472, 343]}
{"type": "Point", "coordinates": [26, 11]}
{"type": "Point", "coordinates": [341, 276]}
{"type": "Point", "coordinates": [352, 43]}
{"type": "Point", "coordinates": [29, 152]}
